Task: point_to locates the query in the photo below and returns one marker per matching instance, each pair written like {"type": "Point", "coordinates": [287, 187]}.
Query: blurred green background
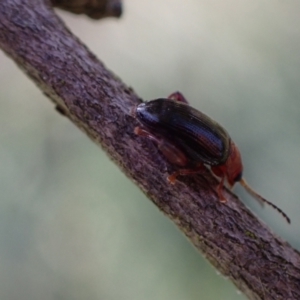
{"type": "Point", "coordinates": [72, 226]}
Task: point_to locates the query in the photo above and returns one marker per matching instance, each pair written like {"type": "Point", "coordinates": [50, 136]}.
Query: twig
{"type": "Point", "coordinates": [229, 236]}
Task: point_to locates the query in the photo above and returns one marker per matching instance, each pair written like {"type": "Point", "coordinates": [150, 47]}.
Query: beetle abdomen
{"type": "Point", "coordinates": [203, 139]}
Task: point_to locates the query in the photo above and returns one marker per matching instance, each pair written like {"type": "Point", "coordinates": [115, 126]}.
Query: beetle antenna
{"type": "Point", "coordinates": [261, 199]}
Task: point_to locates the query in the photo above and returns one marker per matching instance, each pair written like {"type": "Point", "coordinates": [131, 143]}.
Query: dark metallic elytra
{"type": "Point", "coordinates": [191, 140]}
{"type": "Point", "coordinates": [198, 135]}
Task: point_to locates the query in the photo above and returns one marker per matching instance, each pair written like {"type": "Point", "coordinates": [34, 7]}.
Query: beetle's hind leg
{"type": "Point", "coordinates": [170, 151]}
{"type": "Point", "coordinates": [142, 132]}
{"type": "Point", "coordinates": [177, 96]}
{"type": "Point", "coordinates": [183, 172]}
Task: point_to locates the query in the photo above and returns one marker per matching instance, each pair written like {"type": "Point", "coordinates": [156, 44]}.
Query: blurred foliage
{"type": "Point", "coordinates": [72, 226]}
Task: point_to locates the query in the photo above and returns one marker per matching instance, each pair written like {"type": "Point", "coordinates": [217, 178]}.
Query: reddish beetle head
{"type": "Point", "coordinates": [232, 169]}
{"type": "Point", "coordinates": [233, 165]}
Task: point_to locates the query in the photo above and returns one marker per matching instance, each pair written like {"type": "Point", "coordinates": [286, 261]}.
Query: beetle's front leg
{"type": "Point", "coordinates": [220, 187]}
{"type": "Point", "coordinates": [219, 171]}
{"type": "Point", "coordinates": [177, 96]}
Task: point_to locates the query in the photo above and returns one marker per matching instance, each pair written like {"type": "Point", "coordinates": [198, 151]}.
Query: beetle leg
{"type": "Point", "coordinates": [220, 191]}
{"type": "Point", "coordinates": [177, 96]}
{"type": "Point", "coordinates": [170, 151]}
{"type": "Point", "coordinates": [145, 133]}
{"type": "Point", "coordinates": [219, 171]}
{"type": "Point", "coordinates": [182, 172]}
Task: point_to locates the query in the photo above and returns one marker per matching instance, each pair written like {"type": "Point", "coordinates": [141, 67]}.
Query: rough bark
{"type": "Point", "coordinates": [241, 247]}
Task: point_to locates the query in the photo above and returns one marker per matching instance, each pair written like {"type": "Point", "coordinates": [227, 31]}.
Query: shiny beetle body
{"type": "Point", "coordinates": [199, 137]}
{"type": "Point", "coordinates": [192, 141]}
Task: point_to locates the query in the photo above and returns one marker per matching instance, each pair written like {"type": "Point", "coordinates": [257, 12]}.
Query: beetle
{"type": "Point", "coordinates": [192, 141]}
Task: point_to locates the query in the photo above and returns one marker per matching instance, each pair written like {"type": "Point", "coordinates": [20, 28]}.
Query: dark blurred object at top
{"type": "Point", "coordinates": [95, 9]}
